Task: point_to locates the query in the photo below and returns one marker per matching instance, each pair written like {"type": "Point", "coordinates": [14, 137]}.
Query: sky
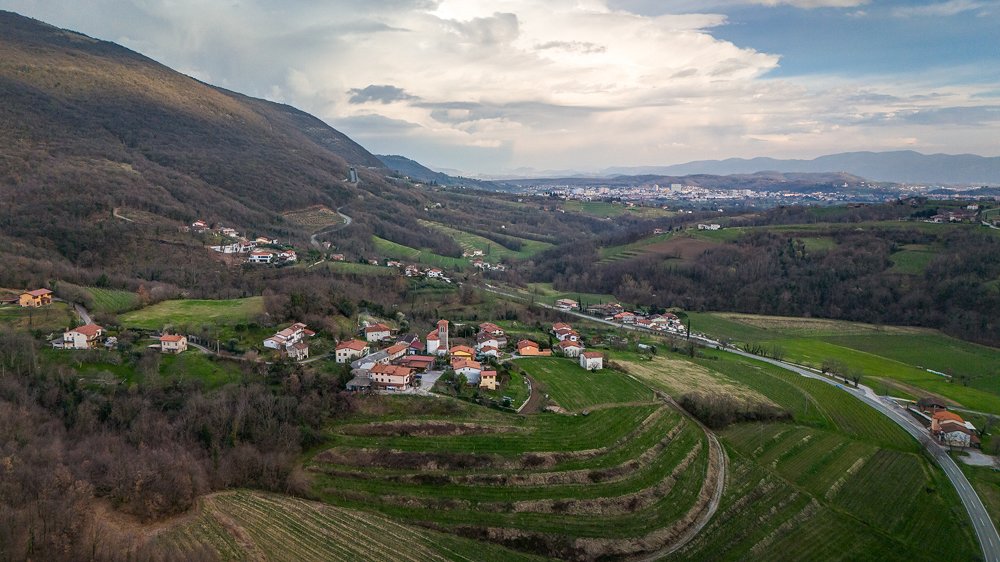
{"type": "Point", "coordinates": [505, 86]}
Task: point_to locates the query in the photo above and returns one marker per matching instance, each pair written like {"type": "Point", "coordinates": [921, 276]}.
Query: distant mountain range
{"type": "Point", "coordinates": [904, 166]}
{"type": "Point", "coordinates": [417, 171]}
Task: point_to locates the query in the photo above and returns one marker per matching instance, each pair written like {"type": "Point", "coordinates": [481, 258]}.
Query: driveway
{"type": "Point", "coordinates": [427, 380]}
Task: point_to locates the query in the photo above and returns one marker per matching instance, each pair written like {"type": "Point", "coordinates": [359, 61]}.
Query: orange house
{"type": "Point", "coordinates": [462, 351]}
{"type": "Point", "coordinates": [528, 348]}
{"type": "Point", "coordinates": [36, 298]}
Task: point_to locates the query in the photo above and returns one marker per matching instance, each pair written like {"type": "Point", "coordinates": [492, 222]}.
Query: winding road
{"type": "Point", "coordinates": [347, 221]}
{"type": "Point", "coordinates": [986, 531]}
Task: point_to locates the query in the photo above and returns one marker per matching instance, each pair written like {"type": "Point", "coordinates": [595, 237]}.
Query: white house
{"type": "Point", "coordinates": [84, 337]}
{"type": "Point", "coordinates": [298, 351]}
{"type": "Point", "coordinates": [260, 257]}
{"type": "Point", "coordinates": [567, 304]}
{"type": "Point", "coordinates": [377, 332]}
{"type": "Point", "coordinates": [289, 336]}
{"type": "Point", "coordinates": [173, 343]}
{"type": "Point", "coordinates": [570, 348]}
{"type": "Point", "coordinates": [712, 226]}
{"type": "Point", "coordinates": [471, 369]}
{"type": "Point", "coordinates": [391, 377]}
{"type": "Point", "coordinates": [350, 349]}
{"type": "Point", "coordinates": [592, 360]}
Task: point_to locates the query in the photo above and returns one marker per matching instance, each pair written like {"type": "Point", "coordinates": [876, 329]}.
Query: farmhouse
{"type": "Point", "coordinates": [567, 334]}
{"type": "Point", "coordinates": [350, 349]}
{"type": "Point", "coordinates": [528, 348]}
{"type": "Point", "coordinates": [949, 428]}
{"type": "Point", "coordinates": [260, 256]}
{"type": "Point", "coordinates": [561, 326]}
{"type": "Point", "coordinates": [489, 351]}
{"type": "Point", "coordinates": [592, 360]}
{"type": "Point", "coordinates": [567, 304]}
{"type": "Point", "coordinates": [570, 348]}
{"type": "Point", "coordinates": [173, 343]}
{"type": "Point", "coordinates": [488, 380]}
{"type": "Point", "coordinates": [491, 329]}
{"type": "Point", "coordinates": [298, 351]}
{"type": "Point", "coordinates": [391, 377]}
{"type": "Point", "coordinates": [377, 332]}
{"type": "Point", "coordinates": [289, 336]}
{"type": "Point", "coordinates": [87, 336]}
{"type": "Point", "coordinates": [36, 298]}
{"type": "Point", "coordinates": [417, 362]}
{"type": "Point", "coordinates": [396, 350]}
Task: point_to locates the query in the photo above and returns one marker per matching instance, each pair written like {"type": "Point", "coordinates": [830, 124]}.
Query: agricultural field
{"type": "Point", "coordinates": [840, 481]}
{"type": "Point", "coordinates": [618, 481]}
{"type": "Point", "coordinates": [678, 377]}
{"type": "Point", "coordinates": [194, 365]}
{"type": "Point", "coordinates": [55, 317]}
{"type": "Point", "coordinates": [576, 389]}
{"type": "Point", "coordinates": [112, 300]}
{"type": "Point", "coordinates": [247, 525]}
{"type": "Point", "coordinates": [493, 251]}
{"type": "Point", "coordinates": [194, 313]}
{"type": "Point", "coordinates": [899, 354]}
{"type": "Point", "coordinates": [543, 292]}
{"type": "Point", "coordinates": [314, 218]}
{"type": "Point", "coordinates": [390, 249]}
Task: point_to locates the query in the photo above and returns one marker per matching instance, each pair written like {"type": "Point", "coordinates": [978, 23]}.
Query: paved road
{"type": "Point", "coordinates": [986, 531]}
{"type": "Point", "coordinates": [83, 313]}
{"type": "Point", "coordinates": [347, 221]}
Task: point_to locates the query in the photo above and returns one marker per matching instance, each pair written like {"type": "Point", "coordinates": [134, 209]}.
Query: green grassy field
{"type": "Point", "coordinates": [194, 313]}
{"type": "Point", "coordinates": [576, 389]}
{"type": "Point", "coordinates": [390, 249]}
{"type": "Point", "coordinates": [51, 318]}
{"type": "Point", "coordinates": [112, 300]}
{"type": "Point", "coordinates": [543, 292]}
{"type": "Point", "coordinates": [605, 209]}
{"type": "Point", "coordinates": [840, 481]}
{"type": "Point", "coordinates": [912, 259]}
{"type": "Point", "coordinates": [903, 355]}
{"type": "Point", "coordinates": [493, 251]}
{"type": "Point", "coordinates": [361, 269]}
{"type": "Point", "coordinates": [246, 525]}
{"type": "Point", "coordinates": [195, 365]}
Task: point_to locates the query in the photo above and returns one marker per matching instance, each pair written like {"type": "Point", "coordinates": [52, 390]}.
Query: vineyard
{"type": "Point", "coordinates": [629, 478]}
{"type": "Point", "coordinates": [244, 525]}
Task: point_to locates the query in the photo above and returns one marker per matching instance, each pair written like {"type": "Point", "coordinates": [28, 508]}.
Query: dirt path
{"type": "Point", "coordinates": [533, 404]}
{"type": "Point", "coordinates": [347, 222]}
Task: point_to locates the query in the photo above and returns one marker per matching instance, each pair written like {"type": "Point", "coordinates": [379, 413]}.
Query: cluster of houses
{"type": "Point", "coordinates": [291, 341]}
{"type": "Point", "coordinates": [710, 226]}
{"type": "Point", "coordinates": [237, 244]}
{"type": "Point", "coordinates": [965, 215]}
{"type": "Point", "coordinates": [946, 426]}
{"type": "Point", "coordinates": [571, 345]}
{"type": "Point", "coordinates": [666, 322]}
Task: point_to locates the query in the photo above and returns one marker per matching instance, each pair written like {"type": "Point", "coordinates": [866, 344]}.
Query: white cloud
{"type": "Point", "coordinates": [558, 84]}
{"type": "Point", "coordinates": [942, 9]}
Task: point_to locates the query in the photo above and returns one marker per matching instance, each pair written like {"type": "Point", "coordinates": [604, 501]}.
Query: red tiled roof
{"type": "Point", "coordinates": [89, 330]}
{"type": "Point", "coordinates": [396, 348]}
{"type": "Point", "coordinates": [526, 343]}
{"type": "Point", "coordinates": [487, 374]}
{"type": "Point", "coordinates": [171, 337]}
{"type": "Point", "coordinates": [566, 343]}
{"type": "Point", "coordinates": [592, 354]}
{"type": "Point", "coordinates": [394, 370]}
{"type": "Point", "coordinates": [39, 292]}
{"type": "Point", "coordinates": [462, 348]}
{"type": "Point", "coordinates": [354, 345]}
{"type": "Point", "coordinates": [376, 328]}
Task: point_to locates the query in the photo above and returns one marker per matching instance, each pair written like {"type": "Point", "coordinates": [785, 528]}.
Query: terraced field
{"type": "Point", "coordinates": [246, 525]}
{"type": "Point", "coordinates": [113, 300]}
{"type": "Point", "coordinates": [623, 480]}
{"type": "Point", "coordinates": [314, 218]}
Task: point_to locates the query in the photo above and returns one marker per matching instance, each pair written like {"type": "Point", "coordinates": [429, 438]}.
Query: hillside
{"type": "Point", "coordinates": [88, 127]}
{"type": "Point", "coordinates": [419, 172]}
{"type": "Point", "coordinates": [896, 166]}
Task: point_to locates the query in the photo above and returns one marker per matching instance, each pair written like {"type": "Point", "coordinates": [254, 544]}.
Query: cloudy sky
{"type": "Point", "coordinates": [492, 86]}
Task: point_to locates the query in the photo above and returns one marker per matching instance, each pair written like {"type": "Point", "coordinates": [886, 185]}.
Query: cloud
{"type": "Point", "coordinates": [383, 93]}
{"type": "Point", "coordinates": [558, 84]}
{"type": "Point", "coordinates": [942, 9]}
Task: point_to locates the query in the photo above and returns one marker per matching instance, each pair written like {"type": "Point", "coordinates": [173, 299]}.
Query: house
{"type": "Point", "coordinates": [36, 298]}
{"type": "Point", "coordinates": [298, 351]}
{"type": "Point", "coordinates": [350, 349]}
{"type": "Point", "coordinates": [484, 338]}
{"type": "Point", "coordinates": [489, 351]}
{"type": "Point", "coordinates": [567, 304]}
{"type": "Point", "coordinates": [377, 332]}
{"type": "Point", "coordinates": [528, 348]}
{"type": "Point", "coordinates": [418, 362]}
{"type": "Point", "coordinates": [289, 336]}
{"type": "Point", "coordinates": [712, 226]}
{"type": "Point", "coordinates": [592, 360]}
{"type": "Point", "coordinates": [396, 350]}
{"type": "Point", "coordinates": [173, 343]}
{"type": "Point", "coordinates": [391, 377]}
{"type": "Point", "coordinates": [337, 257]}
{"type": "Point", "coordinates": [435, 273]}
{"type": "Point", "coordinates": [411, 271]}
{"type": "Point", "coordinates": [624, 317]}
{"type": "Point", "coordinates": [567, 334]}
{"type": "Point", "coordinates": [265, 240]}
{"type": "Point", "coordinates": [463, 351]}
{"type": "Point", "coordinates": [561, 326]}
{"type": "Point", "coordinates": [359, 384]}
{"type": "Point", "coordinates": [570, 348]}
{"type": "Point", "coordinates": [467, 367]}
{"type": "Point", "coordinates": [288, 255]}
{"type": "Point", "coordinates": [605, 310]}
{"type": "Point", "coordinates": [490, 329]}
{"type": "Point", "coordinates": [488, 380]}
{"type": "Point", "coordinates": [199, 226]}
{"type": "Point", "coordinates": [951, 429]}
{"type": "Point", "coordinates": [366, 362]}
{"type": "Point", "coordinates": [87, 336]}
{"type": "Point", "coordinates": [226, 231]}
{"type": "Point", "coordinates": [260, 256]}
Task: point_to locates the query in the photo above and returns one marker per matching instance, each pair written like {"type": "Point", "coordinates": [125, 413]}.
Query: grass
{"type": "Point", "coordinates": [389, 249]}
{"type": "Point", "coordinates": [576, 389]}
{"type": "Point", "coordinates": [515, 388]}
{"type": "Point", "coordinates": [544, 292]}
{"type": "Point", "coordinates": [112, 300]}
{"type": "Point", "coordinates": [246, 525]}
{"type": "Point", "coordinates": [46, 319]}
{"type": "Point", "coordinates": [899, 354]}
{"type": "Point", "coordinates": [493, 251]}
{"type": "Point", "coordinates": [314, 218]}
{"type": "Point", "coordinates": [194, 313]}
{"type": "Point", "coordinates": [678, 377]}
{"type": "Point", "coordinates": [912, 259]}
{"type": "Point", "coordinates": [195, 365]}
{"type": "Point", "coordinates": [355, 268]}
